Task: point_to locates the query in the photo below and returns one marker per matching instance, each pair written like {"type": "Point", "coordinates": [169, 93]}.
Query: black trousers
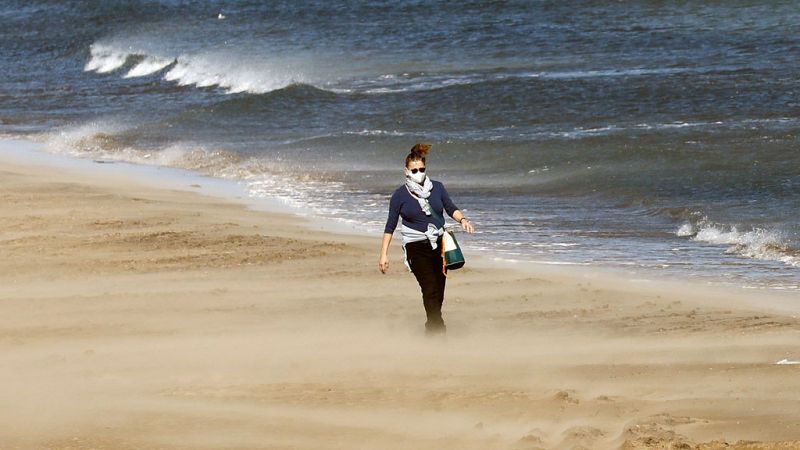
{"type": "Point", "coordinates": [428, 267]}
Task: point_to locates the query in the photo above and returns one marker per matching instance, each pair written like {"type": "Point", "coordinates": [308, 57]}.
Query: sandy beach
{"type": "Point", "coordinates": [138, 317]}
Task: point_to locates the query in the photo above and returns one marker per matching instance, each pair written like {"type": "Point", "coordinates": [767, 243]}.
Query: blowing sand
{"type": "Point", "coordinates": [140, 318]}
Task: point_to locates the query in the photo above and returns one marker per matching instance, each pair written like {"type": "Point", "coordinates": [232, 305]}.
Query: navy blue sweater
{"type": "Point", "coordinates": [405, 205]}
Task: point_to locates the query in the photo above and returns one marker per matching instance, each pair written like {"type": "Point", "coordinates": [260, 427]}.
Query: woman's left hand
{"type": "Point", "coordinates": [467, 226]}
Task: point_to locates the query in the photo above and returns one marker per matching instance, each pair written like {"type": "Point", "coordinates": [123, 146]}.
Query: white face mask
{"type": "Point", "coordinates": [418, 177]}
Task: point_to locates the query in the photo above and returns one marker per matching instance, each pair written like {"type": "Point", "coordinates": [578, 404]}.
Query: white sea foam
{"type": "Point", "coordinates": [757, 243]}
{"type": "Point", "coordinates": [224, 71]}
{"type": "Point", "coordinates": [82, 140]}
{"type": "Point", "coordinates": [579, 133]}
{"type": "Point", "coordinates": [570, 74]}
{"type": "Point", "coordinates": [147, 66]}
{"type": "Point", "coordinates": [105, 59]}
{"type": "Point", "coordinates": [685, 230]}
{"type": "Point", "coordinates": [390, 83]}
{"type": "Point", "coordinates": [99, 140]}
{"type": "Point", "coordinates": [367, 132]}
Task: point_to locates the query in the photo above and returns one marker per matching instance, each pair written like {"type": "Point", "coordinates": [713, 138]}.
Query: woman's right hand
{"type": "Point", "coordinates": [383, 263]}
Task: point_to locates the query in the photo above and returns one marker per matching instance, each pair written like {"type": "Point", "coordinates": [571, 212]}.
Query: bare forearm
{"type": "Point", "coordinates": [459, 217]}
{"type": "Point", "coordinates": [387, 239]}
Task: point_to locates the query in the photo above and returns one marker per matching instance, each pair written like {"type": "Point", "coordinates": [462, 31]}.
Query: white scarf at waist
{"type": "Point", "coordinates": [411, 235]}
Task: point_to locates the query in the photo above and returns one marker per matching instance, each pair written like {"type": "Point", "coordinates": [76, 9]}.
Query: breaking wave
{"type": "Point", "coordinates": [228, 71]}
{"type": "Point", "coordinates": [235, 71]}
{"type": "Point", "coordinates": [149, 65]}
{"type": "Point", "coordinates": [105, 140]}
{"type": "Point", "coordinates": [755, 243]}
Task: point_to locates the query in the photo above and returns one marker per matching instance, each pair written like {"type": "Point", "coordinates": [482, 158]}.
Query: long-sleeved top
{"type": "Point", "coordinates": [404, 205]}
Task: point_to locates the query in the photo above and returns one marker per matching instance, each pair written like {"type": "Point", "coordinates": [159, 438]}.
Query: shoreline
{"type": "Point", "coordinates": [136, 315]}
{"type": "Point", "coordinates": [31, 152]}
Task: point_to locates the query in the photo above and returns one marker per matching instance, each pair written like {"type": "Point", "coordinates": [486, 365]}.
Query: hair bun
{"type": "Point", "coordinates": [420, 150]}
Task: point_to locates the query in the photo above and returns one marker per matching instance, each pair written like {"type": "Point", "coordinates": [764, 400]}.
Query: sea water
{"type": "Point", "coordinates": [654, 137]}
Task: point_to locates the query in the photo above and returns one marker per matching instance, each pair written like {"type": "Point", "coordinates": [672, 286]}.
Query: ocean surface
{"type": "Point", "coordinates": [649, 136]}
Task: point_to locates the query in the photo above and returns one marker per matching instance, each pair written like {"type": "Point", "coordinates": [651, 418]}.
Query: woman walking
{"type": "Point", "coordinates": [420, 203]}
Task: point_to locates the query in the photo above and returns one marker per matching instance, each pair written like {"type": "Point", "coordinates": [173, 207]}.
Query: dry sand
{"type": "Point", "coordinates": [133, 317]}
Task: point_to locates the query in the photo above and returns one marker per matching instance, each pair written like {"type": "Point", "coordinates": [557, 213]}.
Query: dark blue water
{"type": "Point", "coordinates": [654, 136]}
